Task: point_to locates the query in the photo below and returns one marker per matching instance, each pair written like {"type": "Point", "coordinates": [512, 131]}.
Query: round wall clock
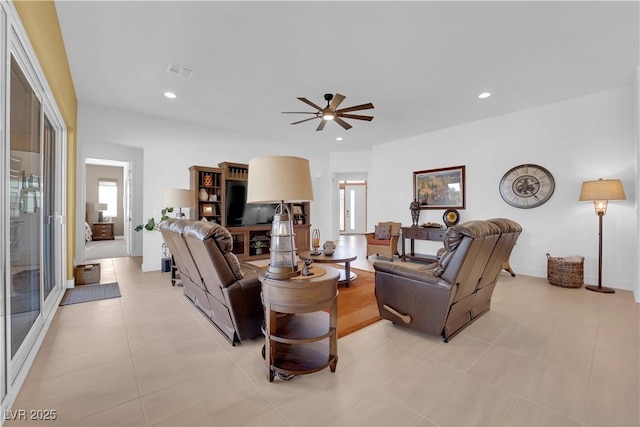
{"type": "Point", "coordinates": [527, 186]}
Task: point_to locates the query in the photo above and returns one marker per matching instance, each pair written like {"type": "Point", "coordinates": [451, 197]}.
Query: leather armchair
{"type": "Point", "coordinates": [224, 290]}
{"type": "Point", "coordinates": [443, 299]}
{"type": "Point", "coordinates": [388, 247]}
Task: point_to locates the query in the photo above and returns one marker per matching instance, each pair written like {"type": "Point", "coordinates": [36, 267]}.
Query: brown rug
{"type": "Point", "coordinates": [357, 306]}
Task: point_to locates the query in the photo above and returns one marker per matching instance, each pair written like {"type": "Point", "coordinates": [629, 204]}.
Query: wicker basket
{"type": "Point", "coordinates": [567, 272]}
{"type": "Point", "coordinates": [87, 274]}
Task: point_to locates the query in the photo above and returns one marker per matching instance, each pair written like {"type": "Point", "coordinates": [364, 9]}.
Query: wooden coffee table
{"type": "Point", "coordinates": [339, 256]}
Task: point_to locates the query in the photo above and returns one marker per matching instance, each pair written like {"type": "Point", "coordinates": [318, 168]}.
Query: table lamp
{"type": "Point", "coordinates": [101, 207]}
{"type": "Point", "coordinates": [600, 192]}
{"type": "Point", "coordinates": [280, 179]}
{"type": "Point", "coordinates": [179, 198]}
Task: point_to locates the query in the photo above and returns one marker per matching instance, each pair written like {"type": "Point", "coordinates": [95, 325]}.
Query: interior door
{"type": "Point", "coordinates": [355, 208]}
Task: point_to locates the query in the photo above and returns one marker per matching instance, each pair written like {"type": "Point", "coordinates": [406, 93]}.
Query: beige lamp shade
{"type": "Point", "coordinates": [179, 198]}
{"type": "Point", "coordinates": [275, 179]}
{"type": "Point", "coordinates": [102, 206]}
{"type": "Point", "coordinates": [602, 189]}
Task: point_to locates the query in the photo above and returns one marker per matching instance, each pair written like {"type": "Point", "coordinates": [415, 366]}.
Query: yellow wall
{"type": "Point", "coordinates": [40, 20]}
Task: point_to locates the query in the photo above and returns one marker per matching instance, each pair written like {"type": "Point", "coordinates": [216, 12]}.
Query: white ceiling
{"type": "Point", "coordinates": [422, 64]}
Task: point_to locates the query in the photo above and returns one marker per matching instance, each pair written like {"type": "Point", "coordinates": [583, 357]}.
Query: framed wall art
{"type": "Point", "coordinates": [440, 188]}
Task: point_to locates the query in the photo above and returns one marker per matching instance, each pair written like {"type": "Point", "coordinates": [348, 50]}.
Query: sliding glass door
{"type": "Point", "coordinates": [35, 200]}
{"type": "Point", "coordinates": [26, 206]}
{"type": "Point", "coordinates": [49, 196]}
{"type": "Point", "coordinates": [32, 195]}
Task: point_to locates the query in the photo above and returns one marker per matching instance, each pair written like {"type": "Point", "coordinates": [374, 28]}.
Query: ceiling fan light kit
{"type": "Point", "coordinates": [331, 112]}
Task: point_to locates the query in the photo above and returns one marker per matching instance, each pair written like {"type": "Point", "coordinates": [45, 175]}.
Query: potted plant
{"type": "Point", "coordinates": [152, 223]}
{"type": "Point", "coordinates": [258, 245]}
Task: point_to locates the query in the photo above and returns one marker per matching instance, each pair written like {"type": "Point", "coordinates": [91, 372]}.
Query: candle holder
{"type": "Point", "coordinates": [315, 242]}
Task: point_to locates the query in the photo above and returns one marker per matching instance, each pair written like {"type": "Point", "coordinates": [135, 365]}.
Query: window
{"type": "Point", "coordinates": [108, 194]}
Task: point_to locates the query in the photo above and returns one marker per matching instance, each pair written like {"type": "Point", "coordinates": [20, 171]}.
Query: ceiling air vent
{"type": "Point", "coordinates": [179, 71]}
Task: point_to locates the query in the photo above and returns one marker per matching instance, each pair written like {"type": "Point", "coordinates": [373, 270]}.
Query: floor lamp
{"type": "Point", "coordinates": [600, 192]}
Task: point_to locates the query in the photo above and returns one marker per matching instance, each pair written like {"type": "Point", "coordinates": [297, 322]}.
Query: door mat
{"type": "Point", "coordinates": [88, 293]}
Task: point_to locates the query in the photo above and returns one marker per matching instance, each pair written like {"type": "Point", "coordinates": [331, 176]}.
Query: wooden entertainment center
{"type": "Point", "coordinates": [210, 187]}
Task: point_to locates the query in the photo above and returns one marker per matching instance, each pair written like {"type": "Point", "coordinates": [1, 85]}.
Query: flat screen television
{"type": "Point", "coordinates": [238, 212]}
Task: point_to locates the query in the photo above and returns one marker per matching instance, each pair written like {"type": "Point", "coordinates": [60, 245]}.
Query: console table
{"type": "Point", "coordinates": [420, 233]}
{"type": "Point", "coordinates": [435, 234]}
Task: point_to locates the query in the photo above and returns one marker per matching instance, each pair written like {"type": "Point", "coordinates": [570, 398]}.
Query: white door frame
{"type": "Point", "coordinates": [127, 210]}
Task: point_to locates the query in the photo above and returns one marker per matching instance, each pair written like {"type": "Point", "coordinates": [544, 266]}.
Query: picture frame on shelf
{"type": "Point", "coordinates": [297, 210]}
{"type": "Point", "coordinates": [207, 210]}
{"type": "Point", "coordinates": [442, 188]}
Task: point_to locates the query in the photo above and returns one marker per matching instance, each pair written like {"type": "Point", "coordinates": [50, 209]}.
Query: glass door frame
{"type": "Point", "coordinates": [345, 213]}
{"type": "Point", "coordinates": [14, 42]}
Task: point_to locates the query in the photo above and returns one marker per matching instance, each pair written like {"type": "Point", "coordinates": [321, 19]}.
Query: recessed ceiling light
{"type": "Point", "coordinates": [339, 138]}
{"type": "Point", "coordinates": [170, 95]}
{"type": "Point", "coordinates": [484, 95]}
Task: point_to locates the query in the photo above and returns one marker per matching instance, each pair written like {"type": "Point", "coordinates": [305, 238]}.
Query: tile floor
{"type": "Point", "coordinates": [543, 356]}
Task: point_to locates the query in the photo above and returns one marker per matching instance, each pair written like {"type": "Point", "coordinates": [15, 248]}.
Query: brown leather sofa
{"type": "Point", "coordinates": [443, 299]}
{"type": "Point", "coordinates": [226, 291]}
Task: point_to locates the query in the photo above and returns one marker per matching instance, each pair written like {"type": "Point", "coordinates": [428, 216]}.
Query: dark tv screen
{"type": "Point", "coordinates": [239, 212]}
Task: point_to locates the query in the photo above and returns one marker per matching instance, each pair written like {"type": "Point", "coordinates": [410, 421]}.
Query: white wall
{"type": "Point", "coordinates": [576, 140]}
{"type": "Point", "coordinates": [169, 149]}
{"type": "Point", "coordinates": [579, 139]}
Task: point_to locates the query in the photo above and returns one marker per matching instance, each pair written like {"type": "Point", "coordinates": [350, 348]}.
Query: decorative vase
{"type": "Point", "coordinates": [213, 197]}
{"type": "Point", "coordinates": [329, 247]}
{"type": "Point", "coordinates": [207, 180]}
{"type": "Point", "coordinates": [203, 196]}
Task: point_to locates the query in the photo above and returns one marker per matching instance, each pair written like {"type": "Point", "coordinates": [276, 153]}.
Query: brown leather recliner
{"type": "Point", "coordinates": [444, 299]}
{"type": "Point", "coordinates": [227, 292]}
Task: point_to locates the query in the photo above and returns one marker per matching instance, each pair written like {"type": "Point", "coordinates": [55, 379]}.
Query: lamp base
{"type": "Point", "coordinates": [601, 289]}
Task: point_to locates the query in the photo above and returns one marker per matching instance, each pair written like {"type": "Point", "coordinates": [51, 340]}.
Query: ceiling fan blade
{"type": "Point", "coordinates": [298, 112]}
{"type": "Point", "coordinates": [356, 108]}
{"type": "Point", "coordinates": [337, 99]}
{"type": "Point", "coordinates": [353, 116]}
{"type": "Point", "coordinates": [342, 123]}
{"type": "Point", "coordinates": [306, 101]}
{"type": "Point", "coordinates": [321, 125]}
{"type": "Point", "coordinates": [305, 120]}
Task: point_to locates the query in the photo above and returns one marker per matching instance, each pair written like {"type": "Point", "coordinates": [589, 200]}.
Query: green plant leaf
{"type": "Point", "coordinates": [151, 224]}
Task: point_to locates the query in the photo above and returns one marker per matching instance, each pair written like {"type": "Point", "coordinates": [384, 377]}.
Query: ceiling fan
{"type": "Point", "coordinates": [331, 112]}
